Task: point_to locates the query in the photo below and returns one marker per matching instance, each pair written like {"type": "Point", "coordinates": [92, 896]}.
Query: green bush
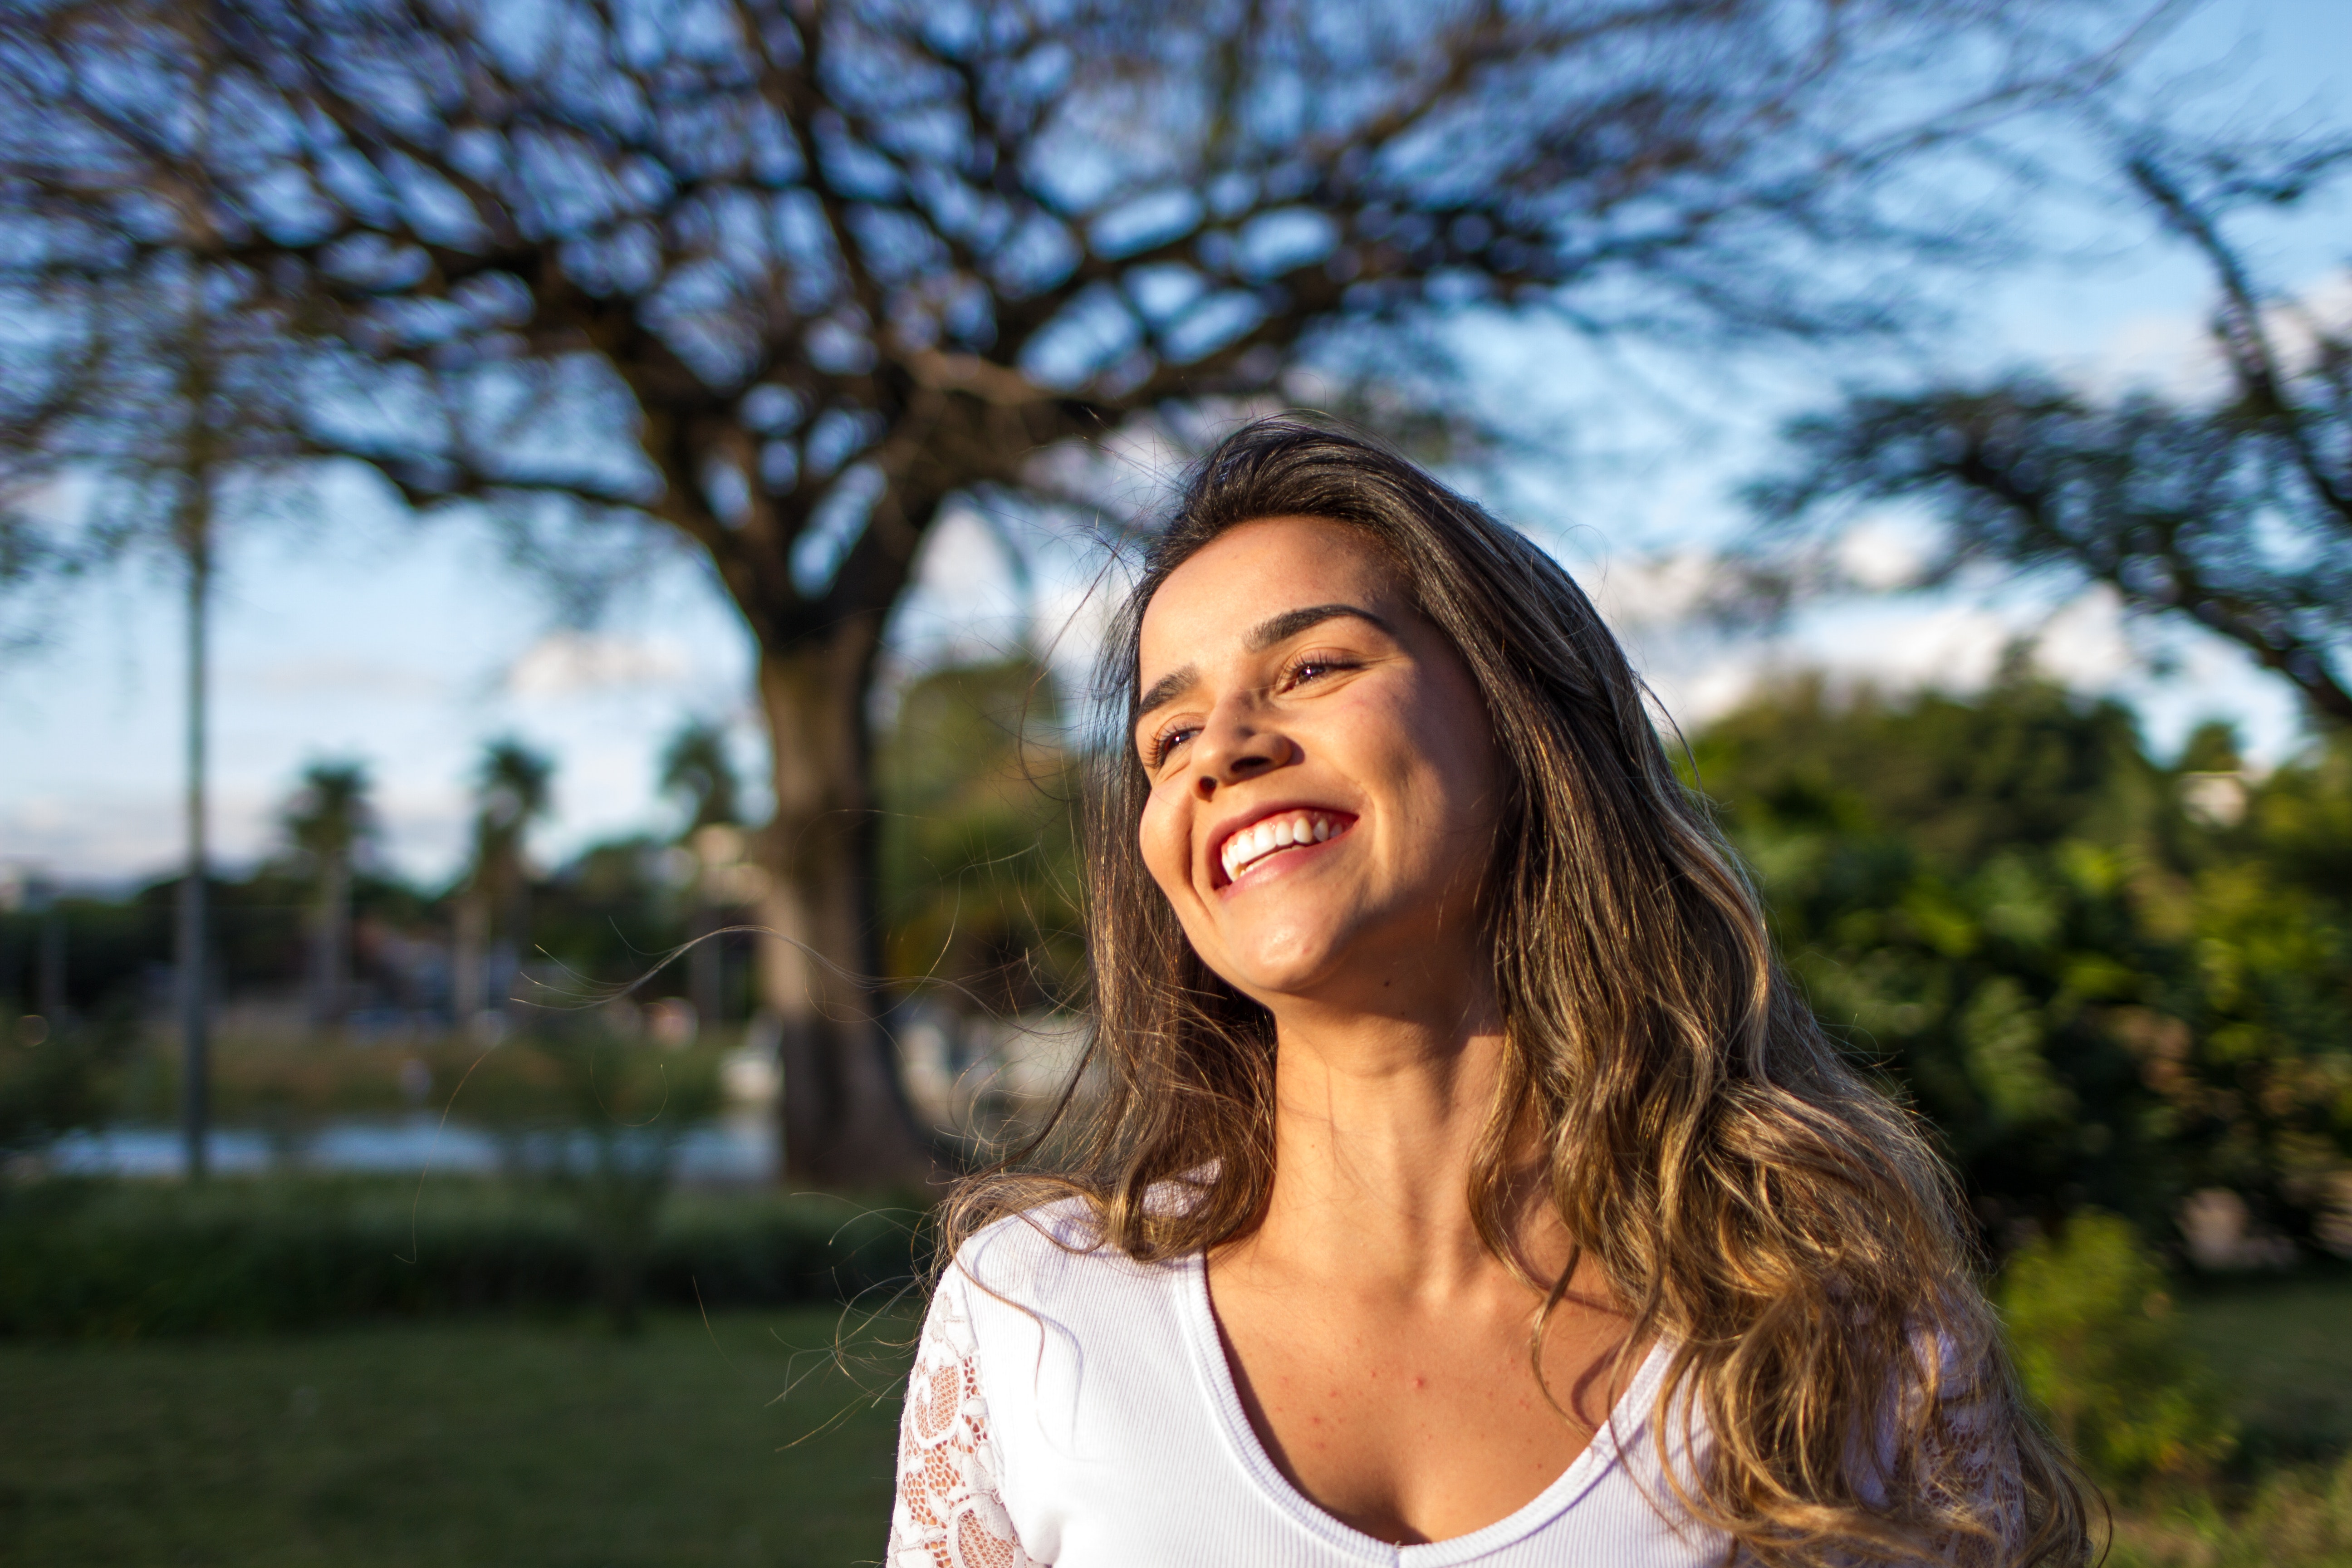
{"type": "Point", "coordinates": [53, 1083]}
{"type": "Point", "coordinates": [2300, 1517]}
{"type": "Point", "coordinates": [123, 1260]}
{"type": "Point", "coordinates": [629, 1111]}
{"type": "Point", "coordinates": [2096, 1345]}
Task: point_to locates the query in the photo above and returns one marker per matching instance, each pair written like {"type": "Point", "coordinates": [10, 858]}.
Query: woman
{"type": "Point", "coordinates": [1461, 1181]}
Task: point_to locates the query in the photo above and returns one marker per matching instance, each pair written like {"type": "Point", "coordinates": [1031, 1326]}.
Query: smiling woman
{"type": "Point", "coordinates": [1467, 1184]}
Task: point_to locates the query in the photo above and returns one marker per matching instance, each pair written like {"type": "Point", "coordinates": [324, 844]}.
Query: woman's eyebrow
{"type": "Point", "coordinates": [1290, 622]}
{"type": "Point", "coordinates": [1167, 689]}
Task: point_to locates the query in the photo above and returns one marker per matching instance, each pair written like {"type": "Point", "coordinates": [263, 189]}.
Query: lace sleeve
{"type": "Point", "coordinates": [1968, 1456]}
{"type": "Point", "coordinates": [948, 1511]}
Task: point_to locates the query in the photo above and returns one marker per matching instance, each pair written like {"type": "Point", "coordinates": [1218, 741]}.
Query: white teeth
{"type": "Point", "coordinates": [1262, 838]}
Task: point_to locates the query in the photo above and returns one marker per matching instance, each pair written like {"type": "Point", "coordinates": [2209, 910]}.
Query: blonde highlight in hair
{"type": "Point", "coordinates": [1749, 1198]}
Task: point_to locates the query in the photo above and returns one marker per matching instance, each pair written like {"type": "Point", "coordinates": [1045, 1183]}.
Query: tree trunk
{"type": "Point", "coordinates": [705, 962]}
{"type": "Point", "coordinates": [845, 1121]}
{"type": "Point", "coordinates": [513, 951]}
{"type": "Point", "coordinates": [465, 955]}
{"type": "Point", "coordinates": [49, 991]}
{"type": "Point", "coordinates": [339, 941]}
{"type": "Point", "coordinates": [195, 944]}
{"type": "Point", "coordinates": [331, 936]}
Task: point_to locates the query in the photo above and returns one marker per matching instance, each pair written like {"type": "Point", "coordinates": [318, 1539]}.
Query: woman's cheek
{"type": "Point", "coordinates": [1161, 836]}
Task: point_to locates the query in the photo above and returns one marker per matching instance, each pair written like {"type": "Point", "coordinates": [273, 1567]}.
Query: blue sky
{"type": "Point", "coordinates": [361, 634]}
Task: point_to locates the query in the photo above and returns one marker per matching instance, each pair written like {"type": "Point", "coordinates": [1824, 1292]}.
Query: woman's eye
{"type": "Point", "coordinates": [1314, 668]}
{"type": "Point", "coordinates": [1167, 740]}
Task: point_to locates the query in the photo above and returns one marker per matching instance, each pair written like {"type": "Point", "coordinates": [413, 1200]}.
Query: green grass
{"type": "Point", "coordinates": [517, 1443]}
{"type": "Point", "coordinates": [2282, 1349]}
{"type": "Point", "coordinates": [2282, 1352]}
{"type": "Point", "coordinates": [497, 1442]}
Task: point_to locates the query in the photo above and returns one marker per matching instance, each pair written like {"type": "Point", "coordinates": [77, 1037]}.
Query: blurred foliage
{"type": "Point", "coordinates": [625, 1107]}
{"type": "Point", "coordinates": [118, 952]}
{"type": "Point", "coordinates": [131, 1259]}
{"type": "Point", "coordinates": [2106, 978]}
{"type": "Point", "coordinates": [508, 1088]}
{"type": "Point", "coordinates": [696, 768]}
{"type": "Point", "coordinates": [2098, 1346]}
{"type": "Point", "coordinates": [979, 845]}
{"type": "Point", "coordinates": [2105, 981]}
{"type": "Point", "coordinates": [2299, 1518]}
{"type": "Point", "coordinates": [54, 1079]}
{"type": "Point", "coordinates": [610, 915]}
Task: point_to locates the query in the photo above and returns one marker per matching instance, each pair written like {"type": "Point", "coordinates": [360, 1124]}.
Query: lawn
{"type": "Point", "coordinates": [517, 1443]}
{"type": "Point", "coordinates": [498, 1441]}
{"type": "Point", "coordinates": [2280, 1352]}
{"type": "Point", "coordinates": [2282, 1349]}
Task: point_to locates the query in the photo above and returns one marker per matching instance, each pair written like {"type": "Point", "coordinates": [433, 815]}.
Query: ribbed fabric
{"type": "Point", "coordinates": [1099, 1424]}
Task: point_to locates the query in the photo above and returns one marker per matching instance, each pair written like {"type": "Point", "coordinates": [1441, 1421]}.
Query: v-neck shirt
{"type": "Point", "coordinates": [1071, 1407]}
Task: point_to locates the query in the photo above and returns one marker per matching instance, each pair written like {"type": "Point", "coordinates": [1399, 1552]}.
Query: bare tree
{"type": "Point", "coordinates": [2234, 510]}
{"type": "Point", "coordinates": [792, 277]}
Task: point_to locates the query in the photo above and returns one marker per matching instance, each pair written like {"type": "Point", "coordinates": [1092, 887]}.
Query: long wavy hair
{"type": "Point", "coordinates": [1747, 1195]}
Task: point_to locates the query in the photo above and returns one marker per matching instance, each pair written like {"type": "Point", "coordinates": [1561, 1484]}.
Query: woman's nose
{"type": "Point", "coordinates": [1235, 746]}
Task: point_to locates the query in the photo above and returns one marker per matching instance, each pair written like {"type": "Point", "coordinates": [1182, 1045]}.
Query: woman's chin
{"type": "Point", "coordinates": [1270, 972]}
{"type": "Point", "coordinates": [1350, 967]}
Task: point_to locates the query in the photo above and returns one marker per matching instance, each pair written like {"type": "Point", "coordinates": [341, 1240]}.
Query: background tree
{"type": "Point", "coordinates": [328, 820]}
{"type": "Point", "coordinates": [793, 278]}
{"type": "Point", "coordinates": [156, 378]}
{"type": "Point", "coordinates": [511, 791]}
{"type": "Point", "coordinates": [160, 391]}
{"type": "Point", "coordinates": [2102, 985]}
{"type": "Point", "coordinates": [696, 769]}
{"type": "Point", "coordinates": [2235, 511]}
{"type": "Point", "coordinates": [980, 852]}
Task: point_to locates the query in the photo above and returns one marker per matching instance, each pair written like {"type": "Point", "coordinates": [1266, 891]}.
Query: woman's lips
{"type": "Point", "coordinates": [1271, 834]}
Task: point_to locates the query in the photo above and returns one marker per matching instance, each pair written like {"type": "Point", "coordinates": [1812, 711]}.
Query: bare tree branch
{"type": "Point", "coordinates": [785, 277]}
{"type": "Point", "coordinates": [2232, 512]}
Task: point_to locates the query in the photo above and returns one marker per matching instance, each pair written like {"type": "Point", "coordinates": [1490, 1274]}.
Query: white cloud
{"type": "Point", "coordinates": [121, 835]}
{"type": "Point", "coordinates": [2173, 352]}
{"type": "Point", "coordinates": [334, 677]}
{"type": "Point", "coordinates": [2087, 642]}
{"type": "Point", "coordinates": [1650, 591]}
{"type": "Point", "coordinates": [567, 663]}
{"type": "Point", "coordinates": [1955, 644]}
{"type": "Point", "coordinates": [1883, 553]}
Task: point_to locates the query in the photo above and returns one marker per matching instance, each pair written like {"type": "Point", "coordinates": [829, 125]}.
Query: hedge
{"type": "Point", "coordinates": [123, 1260]}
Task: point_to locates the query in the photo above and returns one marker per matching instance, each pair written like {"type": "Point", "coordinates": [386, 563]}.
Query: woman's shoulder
{"type": "Point", "coordinates": [1048, 1238]}
{"type": "Point", "coordinates": [1068, 1223]}
{"type": "Point", "coordinates": [1052, 1259]}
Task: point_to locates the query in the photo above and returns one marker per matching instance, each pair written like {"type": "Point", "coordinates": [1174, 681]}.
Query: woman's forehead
{"type": "Point", "coordinates": [1255, 571]}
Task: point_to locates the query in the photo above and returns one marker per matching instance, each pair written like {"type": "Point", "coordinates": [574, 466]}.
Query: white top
{"type": "Point", "coordinates": [1075, 1409]}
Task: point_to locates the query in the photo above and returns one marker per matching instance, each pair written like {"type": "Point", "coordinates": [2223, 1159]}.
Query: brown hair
{"type": "Point", "coordinates": [1747, 1195]}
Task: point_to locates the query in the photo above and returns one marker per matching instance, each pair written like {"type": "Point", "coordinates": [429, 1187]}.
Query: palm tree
{"type": "Point", "coordinates": [696, 766]}
{"type": "Point", "coordinates": [329, 820]}
{"type": "Point", "coordinates": [511, 792]}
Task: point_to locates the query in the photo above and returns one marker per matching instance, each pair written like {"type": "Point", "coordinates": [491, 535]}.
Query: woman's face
{"type": "Point", "coordinates": [1323, 774]}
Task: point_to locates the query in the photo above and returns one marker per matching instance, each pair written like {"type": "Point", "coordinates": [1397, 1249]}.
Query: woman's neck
{"type": "Point", "coordinates": [1377, 1123]}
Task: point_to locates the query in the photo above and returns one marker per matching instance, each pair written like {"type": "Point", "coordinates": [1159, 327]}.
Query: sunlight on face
{"type": "Point", "coordinates": [1323, 773]}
